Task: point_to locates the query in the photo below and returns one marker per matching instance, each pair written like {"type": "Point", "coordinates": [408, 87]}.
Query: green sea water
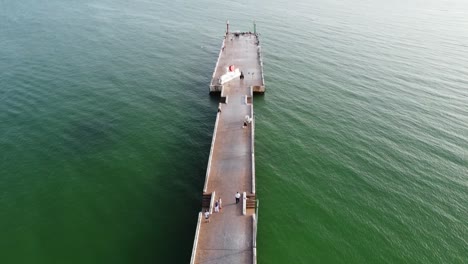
{"type": "Point", "coordinates": [361, 136]}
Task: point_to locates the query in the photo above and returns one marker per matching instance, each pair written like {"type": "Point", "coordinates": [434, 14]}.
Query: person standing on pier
{"type": "Point", "coordinates": [207, 216]}
{"type": "Point", "coordinates": [247, 120]}
{"type": "Point", "coordinates": [237, 197]}
{"type": "Point", "coordinates": [220, 203]}
{"type": "Point", "coordinates": [216, 207]}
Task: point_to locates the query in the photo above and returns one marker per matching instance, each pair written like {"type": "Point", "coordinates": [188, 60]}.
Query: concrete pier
{"type": "Point", "coordinates": [242, 50]}
{"type": "Point", "coordinates": [230, 235]}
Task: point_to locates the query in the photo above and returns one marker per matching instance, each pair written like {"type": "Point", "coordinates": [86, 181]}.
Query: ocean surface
{"type": "Point", "coordinates": [361, 136]}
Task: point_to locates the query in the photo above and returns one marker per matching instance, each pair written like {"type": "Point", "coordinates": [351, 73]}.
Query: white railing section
{"type": "Point", "coordinates": [244, 203]}
{"type": "Point", "coordinates": [195, 242]}
{"type": "Point", "coordinates": [260, 58]}
{"type": "Point", "coordinates": [256, 224]}
{"type": "Point", "coordinates": [219, 58]}
{"type": "Point", "coordinates": [254, 233]}
{"type": "Point", "coordinates": [213, 195]}
{"type": "Point", "coordinates": [222, 93]}
{"type": "Point", "coordinates": [261, 64]}
{"type": "Point", "coordinates": [252, 140]}
{"type": "Point", "coordinates": [254, 246]}
{"type": "Point", "coordinates": [211, 150]}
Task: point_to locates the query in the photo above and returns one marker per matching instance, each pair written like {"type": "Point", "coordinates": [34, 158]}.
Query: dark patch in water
{"type": "Point", "coordinates": [93, 134]}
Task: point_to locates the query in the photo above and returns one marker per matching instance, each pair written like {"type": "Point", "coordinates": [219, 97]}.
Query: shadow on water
{"type": "Point", "coordinates": [259, 97]}
{"type": "Point", "coordinates": [215, 98]}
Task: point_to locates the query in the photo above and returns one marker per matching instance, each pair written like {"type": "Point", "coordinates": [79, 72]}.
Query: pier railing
{"type": "Point", "coordinates": [254, 234]}
{"type": "Point", "coordinates": [211, 152]}
{"type": "Point", "coordinates": [259, 50]}
{"type": "Point", "coordinates": [195, 242]}
{"type": "Point", "coordinates": [214, 87]}
{"type": "Point", "coordinates": [252, 142]}
{"type": "Point", "coordinates": [213, 194]}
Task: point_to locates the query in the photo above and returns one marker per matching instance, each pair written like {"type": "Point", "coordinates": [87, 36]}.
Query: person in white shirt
{"type": "Point", "coordinates": [207, 216]}
{"type": "Point", "coordinates": [247, 120]}
{"type": "Point", "coordinates": [237, 197]}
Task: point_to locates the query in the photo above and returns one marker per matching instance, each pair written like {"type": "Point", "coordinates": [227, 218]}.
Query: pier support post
{"type": "Point", "coordinates": [213, 194]}
{"type": "Point", "coordinates": [244, 203]}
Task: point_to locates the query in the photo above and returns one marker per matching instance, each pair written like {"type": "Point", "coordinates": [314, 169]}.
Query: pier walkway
{"type": "Point", "coordinates": [230, 235]}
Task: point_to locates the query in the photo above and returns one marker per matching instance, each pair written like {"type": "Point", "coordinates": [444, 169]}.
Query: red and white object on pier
{"type": "Point", "coordinates": [231, 73]}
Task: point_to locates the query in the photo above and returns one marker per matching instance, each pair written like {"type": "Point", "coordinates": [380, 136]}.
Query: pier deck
{"type": "Point", "coordinates": [242, 50]}
{"type": "Point", "coordinates": [230, 236]}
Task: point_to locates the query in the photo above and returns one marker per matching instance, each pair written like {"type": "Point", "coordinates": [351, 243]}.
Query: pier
{"type": "Point", "coordinates": [230, 234]}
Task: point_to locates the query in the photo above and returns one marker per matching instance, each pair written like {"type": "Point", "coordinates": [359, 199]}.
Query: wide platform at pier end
{"type": "Point", "coordinates": [230, 234]}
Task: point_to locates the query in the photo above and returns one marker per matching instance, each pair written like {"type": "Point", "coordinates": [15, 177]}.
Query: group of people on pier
{"type": "Point", "coordinates": [218, 205]}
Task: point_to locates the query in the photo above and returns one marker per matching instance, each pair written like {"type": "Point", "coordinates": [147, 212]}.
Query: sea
{"type": "Point", "coordinates": [361, 136]}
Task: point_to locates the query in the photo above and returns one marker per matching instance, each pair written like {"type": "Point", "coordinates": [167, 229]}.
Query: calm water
{"type": "Point", "coordinates": [106, 123]}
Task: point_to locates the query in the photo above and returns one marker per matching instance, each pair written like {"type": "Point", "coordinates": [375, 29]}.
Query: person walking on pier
{"type": "Point", "coordinates": [207, 216]}
{"type": "Point", "coordinates": [247, 120]}
{"type": "Point", "coordinates": [216, 207]}
{"type": "Point", "coordinates": [237, 197]}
